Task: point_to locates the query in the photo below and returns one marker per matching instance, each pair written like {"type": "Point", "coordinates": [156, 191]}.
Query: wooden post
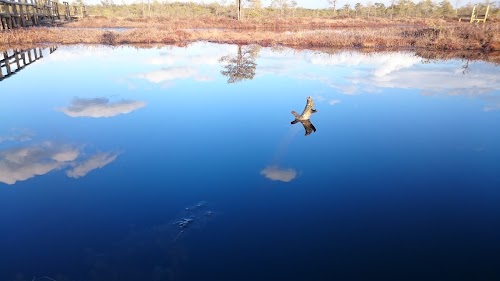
{"type": "Point", "coordinates": [473, 15]}
{"type": "Point", "coordinates": [16, 57]}
{"type": "Point", "coordinates": [23, 56]}
{"type": "Point", "coordinates": [486, 14]}
{"type": "Point", "coordinates": [29, 56]}
{"type": "Point", "coordinates": [7, 63]}
{"type": "Point", "coordinates": [21, 13]}
{"type": "Point", "coordinates": [35, 12]}
{"type": "Point", "coordinates": [67, 13]}
{"type": "Point", "coordinates": [14, 14]}
{"type": "Point", "coordinates": [1, 73]}
{"type": "Point", "coordinates": [56, 9]}
{"type": "Point", "coordinates": [10, 24]}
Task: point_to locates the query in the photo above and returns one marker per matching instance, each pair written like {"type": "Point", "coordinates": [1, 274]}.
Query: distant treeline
{"type": "Point", "coordinates": [288, 9]}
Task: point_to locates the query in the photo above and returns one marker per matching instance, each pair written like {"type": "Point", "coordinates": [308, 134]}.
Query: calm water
{"type": "Point", "coordinates": [181, 164]}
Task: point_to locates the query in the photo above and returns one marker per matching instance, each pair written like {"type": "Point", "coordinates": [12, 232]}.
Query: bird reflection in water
{"type": "Point", "coordinates": [304, 118]}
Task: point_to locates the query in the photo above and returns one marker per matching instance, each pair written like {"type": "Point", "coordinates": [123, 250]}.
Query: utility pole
{"type": "Point", "coordinates": [238, 6]}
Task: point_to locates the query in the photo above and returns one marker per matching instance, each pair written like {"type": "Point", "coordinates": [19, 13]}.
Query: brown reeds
{"type": "Point", "coordinates": [429, 36]}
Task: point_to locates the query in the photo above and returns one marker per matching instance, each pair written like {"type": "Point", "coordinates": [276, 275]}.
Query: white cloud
{"type": "Point", "coordinates": [17, 136]}
{"type": "Point", "coordinates": [170, 74]}
{"type": "Point", "coordinates": [404, 70]}
{"type": "Point", "coordinates": [324, 99]}
{"type": "Point", "coordinates": [276, 173]}
{"type": "Point", "coordinates": [163, 59]}
{"type": "Point", "coordinates": [22, 163]}
{"type": "Point", "coordinates": [10, 174]}
{"type": "Point", "coordinates": [96, 161]}
{"type": "Point", "coordinates": [19, 164]}
{"type": "Point", "coordinates": [492, 107]}
{"type": "Point", "coordinates": [66, 156]}
{"type": "Point", "coordinates": [75, 53]}
{"type": "Point", "coordinates": [100, 107]}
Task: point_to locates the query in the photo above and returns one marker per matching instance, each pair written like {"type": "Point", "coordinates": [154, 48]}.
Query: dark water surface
{"type": "Point", "coordinates": [146, 164]}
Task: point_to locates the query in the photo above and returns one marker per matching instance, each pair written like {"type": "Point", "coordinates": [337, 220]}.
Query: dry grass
{"type": "Point", "coordinates": [260, 23]}
{"type": "Point", "coordinates": [297, 33]}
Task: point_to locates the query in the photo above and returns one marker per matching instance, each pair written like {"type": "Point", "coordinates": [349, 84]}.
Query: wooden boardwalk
{"type": "Point", "coordinates": [11, 62]}
{"type": "Point", "coordinates": [475, 15]}
{"type": "Point", "coordinates": [24, 13]}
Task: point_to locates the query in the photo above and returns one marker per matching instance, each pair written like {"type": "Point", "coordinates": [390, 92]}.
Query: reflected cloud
{"type": "Point", "coordinates": [162, 59]}
{"type": "Point", "coordinates": [96, 161]}
{"type": "Point", "coordinates": [173, 73]}
{"type": "Point", "coordinates": [22, 163]}
{"type": "Point", "coordinates": [329, 101]}
{"type": "Point", "coordinates": [276, 173]}
{"type": "Point", "coordinates": [100, 107]}
{"type": "Point", "coordinates": [17, 136]}
{"type": "Point", "coordinates": [383, 63]}
{"type": "Point", "coordinates": [405, 70]}
{"type": "Point", "coordinates": [492, 107]}
{"type": "Point", "coordinates": [19, 164]}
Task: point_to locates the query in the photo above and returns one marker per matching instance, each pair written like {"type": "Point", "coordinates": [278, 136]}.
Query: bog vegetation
{"type": "Point", "coordinates": [425, 25]}
{"type": "Point", "coordinates": [251, 9]}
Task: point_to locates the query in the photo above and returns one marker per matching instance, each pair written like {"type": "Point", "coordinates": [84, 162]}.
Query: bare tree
{"type": "Point", "coordinates": [280, 4]}
{"type": "Point", "coordinates": [333, 3]}
{"type": "Point", "coordinates": [392, 9]}
{"type": "Point", "coordinates": [457, 3]}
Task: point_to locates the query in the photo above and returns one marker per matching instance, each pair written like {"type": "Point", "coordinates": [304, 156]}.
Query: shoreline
{"type": "Point", "coordinates": [334, 34]}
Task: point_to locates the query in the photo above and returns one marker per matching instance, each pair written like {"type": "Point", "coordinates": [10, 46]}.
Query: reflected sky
{"type": "Point", "coordinates": [100, 107]}
{"type": "Point", "coordinates": [19, 163]}
{"type": "Point", "coordinates": [112, 143]}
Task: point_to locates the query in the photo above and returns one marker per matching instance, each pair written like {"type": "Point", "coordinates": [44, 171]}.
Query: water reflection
{"type": "Point", "coordinates": [304, 118]}
{"type": "Point", "coordinates": [167, 74]}
{"type": "Point", "coordinates": [95, 161]}
{"type": "Point", "coordinates": [382, 132]}
{"type": "Point", "coordinates": [241, 66]}
{"type": "Point", "coordinates": [13, 61]}
{"type": "Point", "coordinates": [276, 173]}
{"type": "Point", "coordinates": [159, 251]}
{"type": "Point", "coordinates": [20, 163]}
{"type": "Point", "coordinates": [100, 107]}
{"type": "Point", "coordinates": [17, 136]}
{"type": "Point", "coordinates": [375, 73]}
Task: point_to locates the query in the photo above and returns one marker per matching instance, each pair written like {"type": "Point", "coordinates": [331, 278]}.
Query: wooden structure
{"type": "Point", "coordinates": [24, 13]}
{"type": "Point", "coordinates": [16, 60]}
{"type": "Point", "coordinates": [475, 15]}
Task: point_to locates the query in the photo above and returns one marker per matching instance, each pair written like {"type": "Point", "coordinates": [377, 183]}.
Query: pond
{"type": "Point", "coordinates": [181, 163]}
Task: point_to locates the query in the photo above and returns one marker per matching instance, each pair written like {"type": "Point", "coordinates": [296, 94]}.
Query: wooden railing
{"type": "Point", "coordinates": [476, 16]}
{"type": "Point", "coordinates": [24, 13]}
{"type": "Point", "coordinates": [14, 61]}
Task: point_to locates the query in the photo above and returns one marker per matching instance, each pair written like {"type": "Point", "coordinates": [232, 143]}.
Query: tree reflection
{"type": "Point", "coordinates": [242, 66]}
